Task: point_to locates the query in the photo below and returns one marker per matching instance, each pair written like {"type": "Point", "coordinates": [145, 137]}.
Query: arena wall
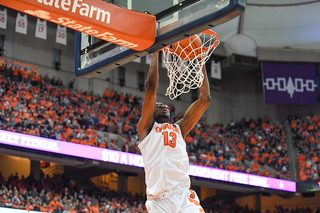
{"type": "Point", "coordinates": [237, 95]}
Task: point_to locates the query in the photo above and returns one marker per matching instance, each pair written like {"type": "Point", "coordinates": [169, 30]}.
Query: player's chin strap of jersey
{"type": "Point", "coordinates": [167, 193]}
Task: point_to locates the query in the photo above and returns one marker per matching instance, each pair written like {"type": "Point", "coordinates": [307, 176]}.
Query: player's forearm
{"type": "Point", "coordinates": [205, 88]}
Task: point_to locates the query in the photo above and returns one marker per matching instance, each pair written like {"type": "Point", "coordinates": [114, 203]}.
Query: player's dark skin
{"type": "Point", "coordinates": [150, 113]}
{"type": "Point", "coordinates": [161, 113]}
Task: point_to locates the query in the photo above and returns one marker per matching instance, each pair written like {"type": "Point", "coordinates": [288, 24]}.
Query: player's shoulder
{"type": "Point", "coordinates": [179, 122]}
{"type": "Point", "coordinates": [146, 131]}
{"type": "Point", "coordinates": [175, 125]}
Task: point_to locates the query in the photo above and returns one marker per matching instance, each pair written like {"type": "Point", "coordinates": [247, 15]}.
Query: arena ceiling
{"type": "Point", "coordinates": [285, 24]}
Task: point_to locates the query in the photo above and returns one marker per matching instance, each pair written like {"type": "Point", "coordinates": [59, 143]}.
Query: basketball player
{"type": "Point", "coordinates": [164, 150]}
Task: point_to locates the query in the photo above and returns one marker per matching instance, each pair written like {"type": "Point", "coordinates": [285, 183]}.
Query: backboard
{"type": "Point", "coordinates": [176, 20]}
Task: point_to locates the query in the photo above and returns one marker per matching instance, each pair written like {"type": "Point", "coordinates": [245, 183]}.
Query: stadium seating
{"type": "Point", "coordinates": [307, 140]}
{"type": "Point", "coordinates": [58, 194]}
{"type": "Point", "coordinates": [44, 107]}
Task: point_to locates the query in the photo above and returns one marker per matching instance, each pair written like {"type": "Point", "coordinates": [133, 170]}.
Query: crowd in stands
{"type": "Point", "coordinates": [281, 209]}
{"type": "Point", "coordinates": [58, 194]}
{"type": "Point", "coordinates": [259, 143]}
{"type": "Point", "coordinates": [307, 140]}
{"type": "Point", "coordinates": [44, 107]}
{"type": "Point", "coordinates": [235, 208]}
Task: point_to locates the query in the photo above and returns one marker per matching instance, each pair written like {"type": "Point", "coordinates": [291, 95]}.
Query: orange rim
{"type": "Point", "coordinates": [208, 32]}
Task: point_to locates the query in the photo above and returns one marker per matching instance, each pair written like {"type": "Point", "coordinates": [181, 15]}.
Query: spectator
{"type": "Point", "coordinates": [34, 193]}
{"type": "Point", "coordinates": [60, 113]}
{"type": "Point", "coordinates": [2, 202]}
{"type": "Point", "coordinates": [306, 138]}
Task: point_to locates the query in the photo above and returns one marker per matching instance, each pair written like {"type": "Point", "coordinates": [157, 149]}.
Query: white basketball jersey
{"type": "Point", "coordinates": [165, 158]}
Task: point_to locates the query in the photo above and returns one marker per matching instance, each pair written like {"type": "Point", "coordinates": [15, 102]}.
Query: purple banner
{"type": "Point", "coordinates": [129, 159]}
{"type": "Point", "coordinates": [290, 83]}
{"type": "Point", "coordinates": [68, 148]}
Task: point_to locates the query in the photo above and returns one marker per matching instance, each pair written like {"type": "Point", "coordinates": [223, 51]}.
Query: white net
{"type": "Point", "coordinates": [184, 62]}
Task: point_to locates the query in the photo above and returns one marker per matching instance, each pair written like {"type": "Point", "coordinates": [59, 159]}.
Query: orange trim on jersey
{"type": "Point", "coordinates": [100, 19]}
{"type": "Point", "coordinates": [168, 126]}
{"type": "Point", "coordinates": [197, 204]}
{"type": "Point", "coordinates": [193, 196]}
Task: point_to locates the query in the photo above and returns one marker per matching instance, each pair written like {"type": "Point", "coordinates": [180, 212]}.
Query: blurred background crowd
{"type": "Point", "coordinates": [40, 106]}
{"type": "Point", "coordinates": [44, 107]}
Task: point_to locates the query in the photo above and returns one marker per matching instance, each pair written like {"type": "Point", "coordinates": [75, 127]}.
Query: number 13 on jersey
{"type": "Point", "coordinates": [170, 138]}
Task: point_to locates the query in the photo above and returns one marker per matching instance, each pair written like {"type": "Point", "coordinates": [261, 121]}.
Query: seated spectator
{"type": "Point", "coordinates": [58, 204]}
{"type": "Point", "coordinates": [306, 137]}
{"type": "Point", "coordinates": [2, 201]}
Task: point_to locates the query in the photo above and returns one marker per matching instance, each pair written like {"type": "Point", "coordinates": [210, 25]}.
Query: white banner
{"type": "Point", "coordinates": [138, 60]}
{"type": "Point", "coordinates": [215, 70]}
{"type": "Point", "coordinates": [148, 59]}
{"type": "Point", "coordinates": [162, 63]}
{"type": "Point", "coordinates": [61, 36]}
{"type": "Point", "coordinates": [41, 29]}
{"type": "Point", "coordinates": [3, 19]}
{"type": "Point", "coordinates": [21, 23]}
{"type": "Point", "coordinates": [9, 210]}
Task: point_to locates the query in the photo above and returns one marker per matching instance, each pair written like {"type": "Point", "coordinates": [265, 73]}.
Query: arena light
{"type": "Point", "coordinates": [129, 159]}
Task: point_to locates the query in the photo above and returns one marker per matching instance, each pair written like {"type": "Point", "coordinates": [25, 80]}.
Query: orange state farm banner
{"type": "Point", "coordinates": [97, 18]}
{"type": "Point", "coordinates": [20, 65]}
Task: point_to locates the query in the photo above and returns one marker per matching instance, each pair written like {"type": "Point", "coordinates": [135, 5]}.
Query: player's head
{"type": "Point", "coordinates": [161, 113]}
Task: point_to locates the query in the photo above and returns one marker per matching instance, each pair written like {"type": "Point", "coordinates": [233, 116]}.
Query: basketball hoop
{"type": "Point", "coordinates": [184, 63]}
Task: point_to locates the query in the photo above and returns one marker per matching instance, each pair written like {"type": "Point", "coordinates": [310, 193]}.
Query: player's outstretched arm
{"type": "Point", "coordinates": [146, 120]}
{"type": "Point", "coordinates": [196, 110]}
